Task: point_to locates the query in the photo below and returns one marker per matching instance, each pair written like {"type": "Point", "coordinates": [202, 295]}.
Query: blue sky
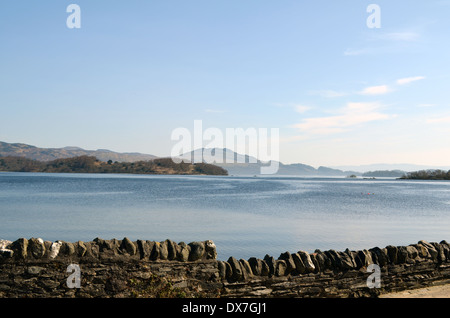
{"type": "Point", "coordinates": [339, 92]}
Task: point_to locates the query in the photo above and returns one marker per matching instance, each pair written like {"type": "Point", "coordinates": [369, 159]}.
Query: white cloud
{"type": "Point", "coordinates": [329, 93]}
{"type": "Point", "coordinates": [355, 52]}
{"type": "Point", "coordinates": [352, 115]}
{"type": "Point", "coordinates": [407, 80]}
{"type": "Point", "coordinates": [376, 90]}
{"type": "Point", "coordinates": [217, 111]}
{"type": "Point", "coordinates": [388, 42]}
{"type": "Point", "coordinates": [440, 120]}
{"type": "Point", "coordinates": [406, 36]}
{"type": "Point", "coordinates": [302, 108]}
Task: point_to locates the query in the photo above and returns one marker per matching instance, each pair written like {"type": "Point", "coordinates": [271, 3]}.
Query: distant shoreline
{"type": "Point", "coordinates": [427, 175]}
{"type": "Point", "coordinates": [89, 164]}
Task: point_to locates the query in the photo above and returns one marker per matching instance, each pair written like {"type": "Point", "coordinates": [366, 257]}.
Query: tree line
{"type": "Point", "coordinates": [90, 164]}
{"type": "Point", "coordinates": [428, 175]}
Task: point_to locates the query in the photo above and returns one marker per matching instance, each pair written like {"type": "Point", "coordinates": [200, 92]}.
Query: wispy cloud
{"type": "Point", "coordinates": [406, 36]}
{"type": "Point", "coordinates": [439, 120]}
{"type": "Point", "coordinates": [351, 115]}
{"type": "Point", "coordinates": [384, 89]}
{"type": "Point", "coordinates": [376, 90]}
{"type": "Point", "coordinates": [387, 42]}
{"type": "Point", "coordinates": [329, 93]}
{"type": "Point", "coordinates": [217, 111]}
{"type": "Point", "coordinates": [355, 52]}
{"type": "Point", "coordinates": [302, 108]}
{"type": "Point", "coordinates": [426, 105]}
{"type": "Point", "coordinates": [407, 80]}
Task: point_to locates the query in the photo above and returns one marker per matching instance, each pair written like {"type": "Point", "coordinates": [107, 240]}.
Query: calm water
{"type": "Point", "coordinates": [244, 216]}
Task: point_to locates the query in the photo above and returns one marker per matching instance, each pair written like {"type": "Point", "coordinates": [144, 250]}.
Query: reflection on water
{"type": "Point", "coordinates": [244, 216]}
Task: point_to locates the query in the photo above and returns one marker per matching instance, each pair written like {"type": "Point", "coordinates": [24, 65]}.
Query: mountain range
{"type": "Point", "coordinates": [49, 154]}
{"type": "Point", "coordinates": [234, 163]}
{"type": "Point", "coordinates": [238, 164]}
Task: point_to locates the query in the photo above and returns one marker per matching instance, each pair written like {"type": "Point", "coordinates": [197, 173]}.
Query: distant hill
{"type": "Point", "coordinates": [49, 154]}
{"type": "Point", "coordinates": [234, 163]}
{"type": "Point", "coordinates": [238, 164]}
{"type": "Point", "coordinates": [88, 164]}
{"type": "Point", "coordinates": [391, 167]}
{"type": "Point", "coordinates": [428, 175]}
{"type": "Point", "coordinates": [385, 173]}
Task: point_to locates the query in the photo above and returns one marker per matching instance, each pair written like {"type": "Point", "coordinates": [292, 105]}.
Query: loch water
{"type": "Point", "coordinates": [245, 216]}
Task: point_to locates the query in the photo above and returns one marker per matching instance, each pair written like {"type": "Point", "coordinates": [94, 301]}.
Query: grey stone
{"type": "Point", "coordinates": [37, 247]}
{"type": "Point", "coordinates": [280, 267]}
{"type": "Point", "coordinates": [47, 245]}
{"type": "Point", "coordinates": [246, 269]}
{"type": "Point", "coordinates": [270, 261]}
{"type": "Point", "coordinates": [67, 249]}
{"type": "Point", "coordinates": [259, 267]}
{"type": "Point", "coordinates": [101, 242]}
{"type": "Point", "coordinates": [346, 259]}
{"type": "Point", "coordinates": [309, 265]}
{"type": "Point", "coordinates": [446, 248]}
{"type": "Point", "coordinates": [422, 251]}
{"type": "Point", "coordinates": [49, 284]}
{"type": "Point", "coordinates": [402, 255]}
{"type": "Point", "coordinates": [92, 250]}
{"type": "Point", "coordinates": [177, 250]}
{"type": "Point", "coordinates": [381, 256]}
{"type": "Point", "coordinates": [333, 258]}
{"type": "Point", "coordinates": [290, 265]}
{"type": "Point", "coordinates": [412, 252]}
{"type": "Point", "coordinates": [299, 265]}
{"type": "Point", "coordinates": [426, 244]}
{"type": "Point", "coordinates": [430, 248]}
{"type": "Point", "coordinates": [222, 269]}
{"type": "Point", "coordinates": [4, 287]}
{"type": "Point", "coordinates": [144, 249]}
{"type": "Point", "coordinates": [236, 270]}
{"type": "Point", "coordinates": [4, 244]}
{"type": "Point", "coordinates": [228, 270]}
{"type": "Point", "coordinates": [197, 251]}
{"type": "Point", "coordinates": [163, 251]}
{"type": "Point", "coordinates": [20, 248]}
{"type": "Point", "coordinates": [210, 249]}
{"type": "Point", "coordinates": [183, 254]}
{"type": "Point", "coordinates": [35, 270]}
{"type": "Point", "coordinates": [365, 258]}
{"type": "Point", "coordinates": [80, 248]}
{"type": "Point", "coordinates": [6, 253]}
{"type": "Point", "coordinates": [315, 262]}
{"type": "Point", "coordinates": [54, 249]}
{"type": "Point", "coordinates": [171, 250]}
{"type": "Point", "coordinates": [392, 253]}
{"type": "Point", "coordinates": [156, 250]}
{"type": "Point", "coordinates": [322, 260]}
{"type": "Point", "coordinates": [128, 246]}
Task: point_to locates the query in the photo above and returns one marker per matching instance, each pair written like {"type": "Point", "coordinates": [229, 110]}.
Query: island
{"type": "Point", "coordinates": [90, 164]}
{"type": "Point", "coordinates": [427, 175]}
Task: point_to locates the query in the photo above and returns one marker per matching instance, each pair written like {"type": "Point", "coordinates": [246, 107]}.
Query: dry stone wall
{"type": "Point", "coordinates": [125, 268]}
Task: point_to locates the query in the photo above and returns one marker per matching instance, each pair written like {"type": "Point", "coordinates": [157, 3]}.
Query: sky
{"type": "Point", "coordinates": [340, 92]}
